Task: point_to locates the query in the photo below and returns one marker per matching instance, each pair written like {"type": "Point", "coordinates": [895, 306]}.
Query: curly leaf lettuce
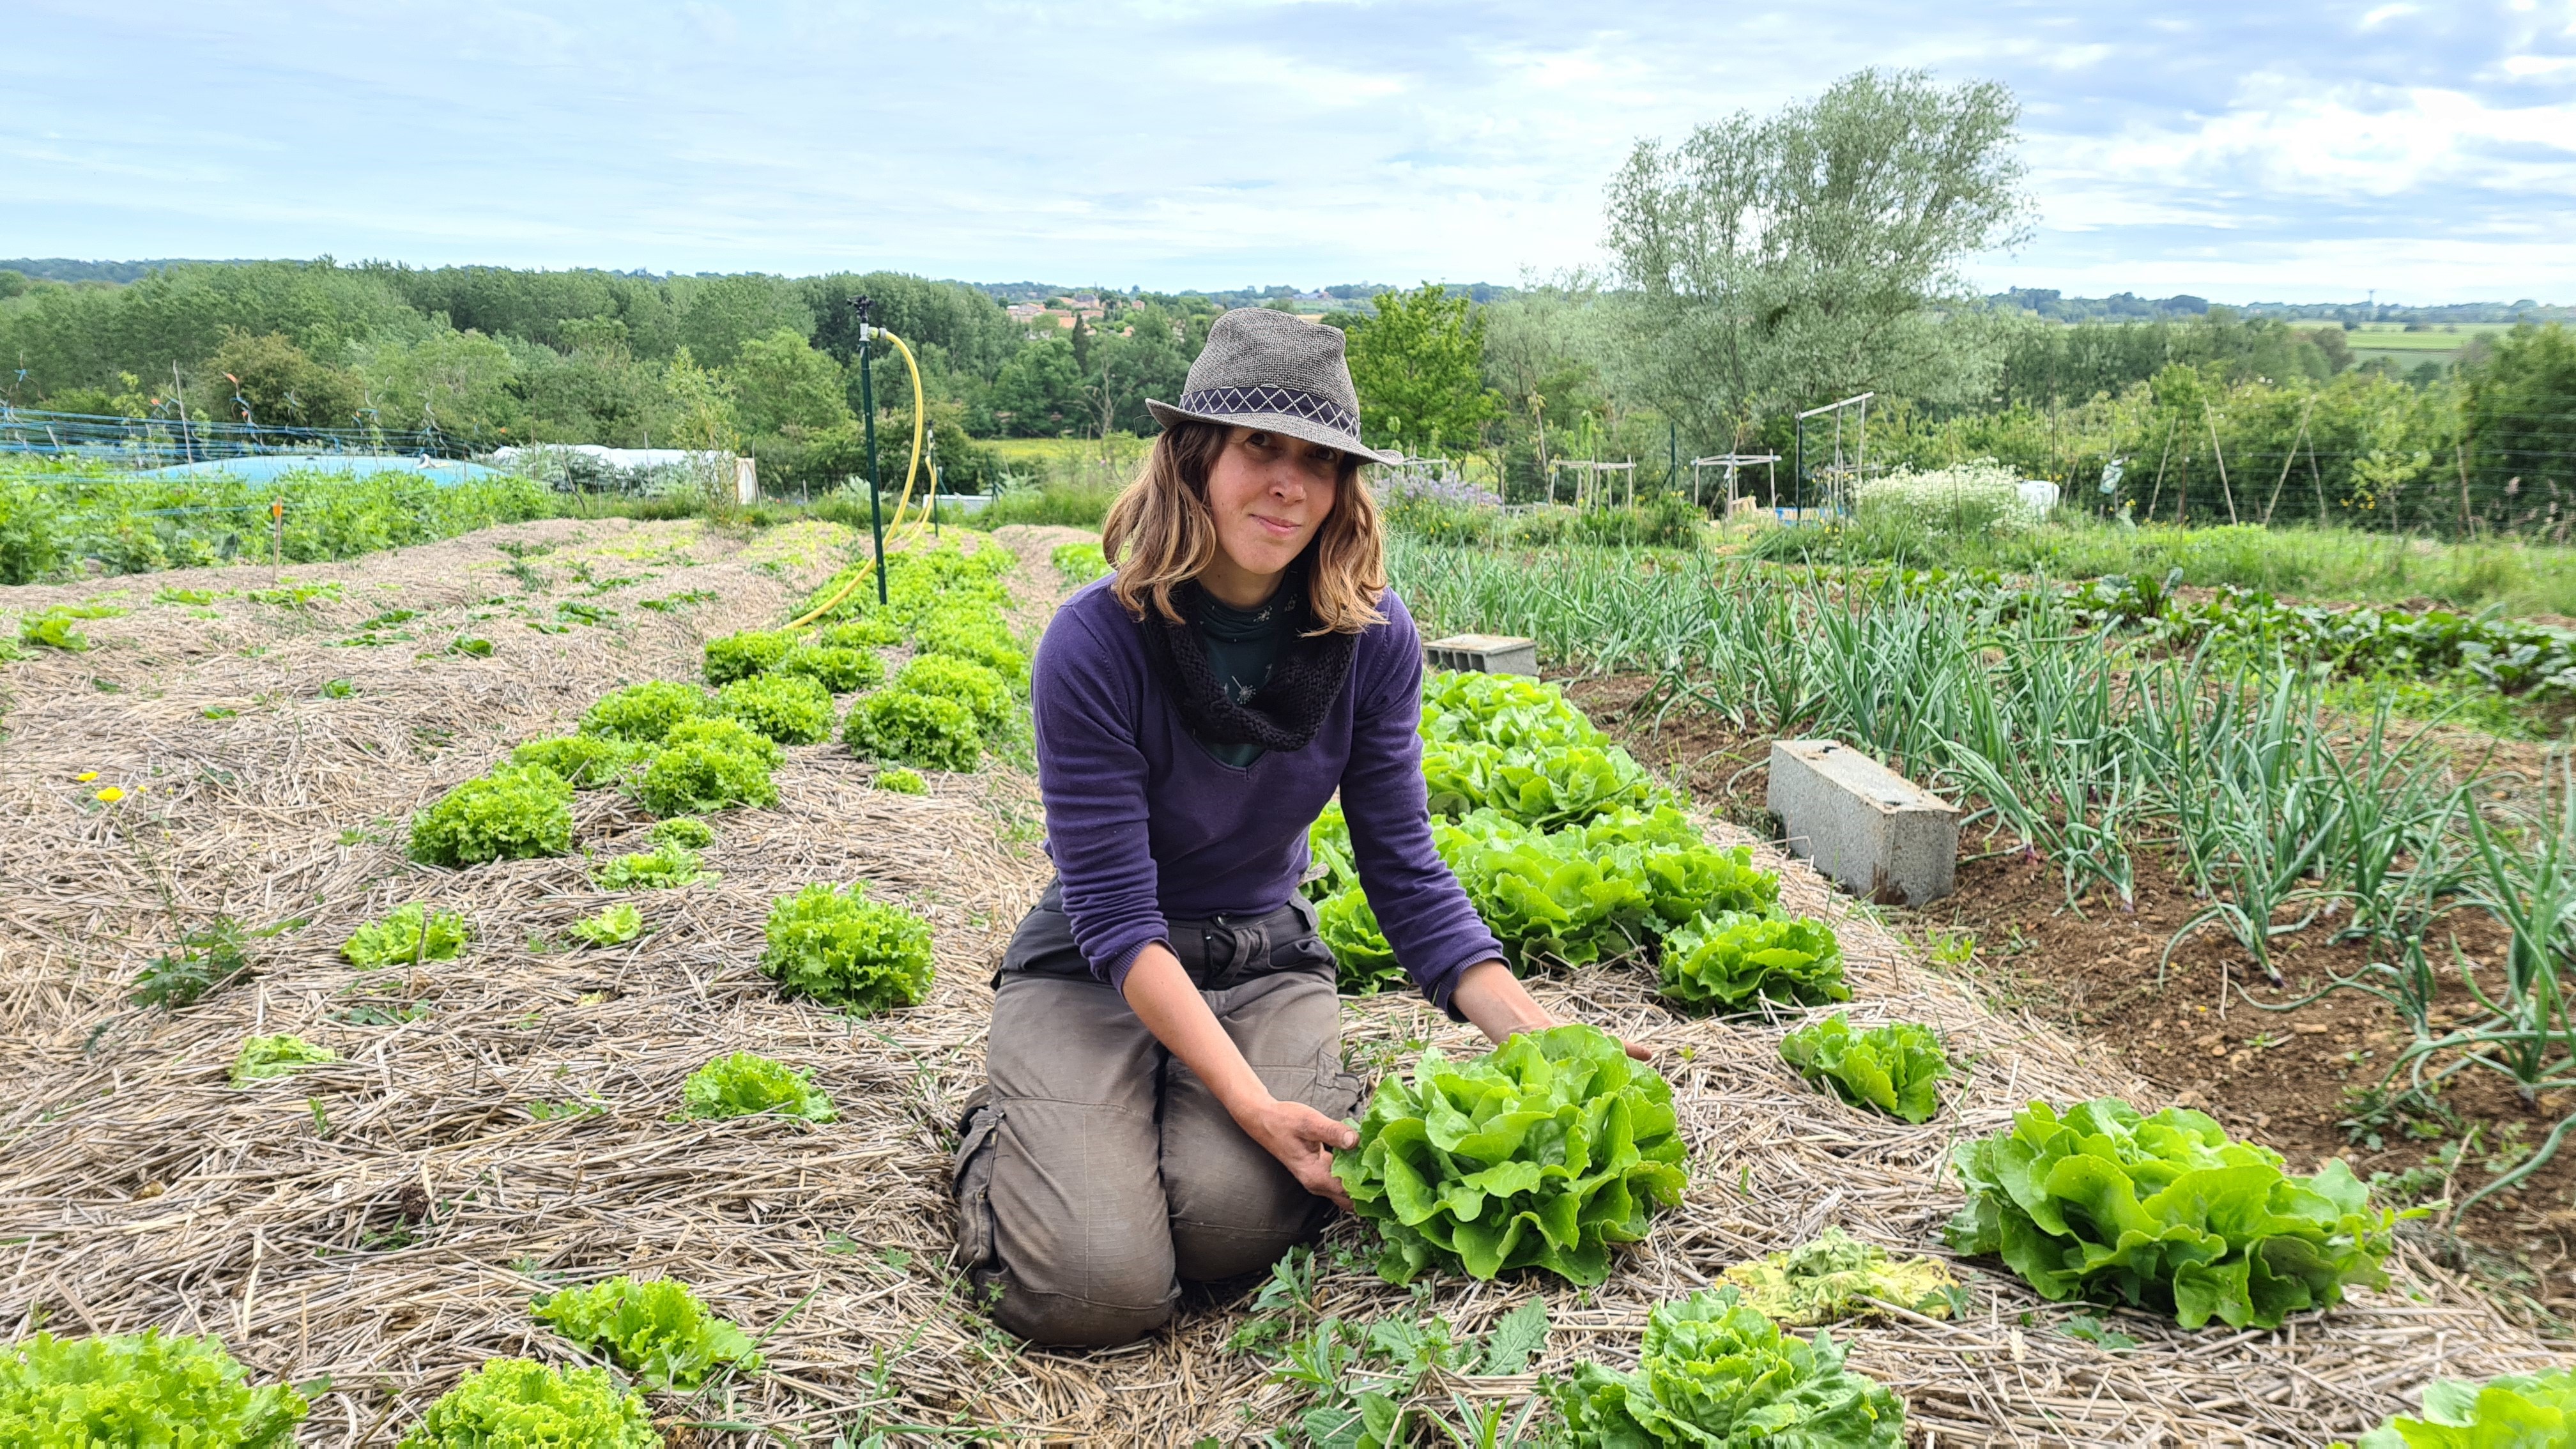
{"type": "Point", "coordinates": [656, 1330]}
{"type": "Point", "coordinates": [1896, 1068]}
{"type": "Point", "coordinates": [2165, 1213]}
{"type": "Point", "coordinates": [146, 1388]}
{"type": "Point", "coordinates": [1510, 710]}
{"type": "Point", "coordinates": [514, 1401]}
{"type": "Point", "coordinates": [1723, 962]}
{"type": "Point", "coordinates": [1539, 1154]}
{"type": "Point", "coordinates": [1714, 1372]}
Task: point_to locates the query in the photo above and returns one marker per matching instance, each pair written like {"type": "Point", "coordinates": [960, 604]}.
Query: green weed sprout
{"type": "Point", "coordinates": [1896, 1068]}
{"type": "Point", "coordinates": [266, 1058]}
{"type": "Point", "coordinates": [586, 762]}
{"type": "Point", "coordinates": [837, 669]}
{"type": "Point", "coordinates": [514, 1401]}
{"type": "Point", "coordinates": [204, 959]}
{"type": "Point", "coordinates": [788, 708]}
{"type": "Point", "coordinates": [899, 782]}
{"type": "Point", "coordinates": [1539, 1154]}
{"type": "Point", "coordinates": [642, 714]}
{"type": "Point", "coordinates": [683, 830]}
{"type": "Point", "coordinates": [663, 867]}
{"type": "Point", "coordinates": [138, 1389]}
{"type": "Point", "coordinates": [656, 1330]}
{"type": "Point", "coordinates": [740, 656]}
{"type": "Point", "coordinates": [945, 676]}
{"type": "Point", "coordinates": [746, 1085]}
{"type": "Point", "coordinates": [615, 926]}
{"type": "Point", "coordinates": [1724, 962]}
{"type": "Point", "coordinates": [2501, 1413]}
{"type": "Point", "coordinates": [2165, 1213]}
{"type": "Point", "coordinates": [52, 629]}
{"type": "Point", "coordinates": [844, 950]}
{"type": "Point", "coordinates": [914, 729]}
{"type": "Point", "coordinates": [514, 812]}
{"type": "Point", "coordinates": [1716, 1372]}
{"type": "Point", "coordinates": [412, 932]}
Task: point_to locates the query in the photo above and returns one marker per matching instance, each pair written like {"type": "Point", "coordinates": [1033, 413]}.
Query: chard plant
{"type": "Point", "coordinates": [1543, 1153]}
{"type": "Point", "coordinates": [407, 936]}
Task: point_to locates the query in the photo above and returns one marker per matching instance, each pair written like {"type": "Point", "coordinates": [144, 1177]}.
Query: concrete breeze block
{"type": "Point", "coordinates": [1483, 654]}
{"type": "Point", "coordinates": [1871, 830]}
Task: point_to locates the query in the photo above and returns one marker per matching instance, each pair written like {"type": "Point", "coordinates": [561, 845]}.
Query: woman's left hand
{"type": "Point", "coordinates": [1304, 1140]}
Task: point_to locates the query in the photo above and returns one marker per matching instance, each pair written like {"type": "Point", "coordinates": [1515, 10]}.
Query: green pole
{"type": "Point", "coordinates": [868, 410]}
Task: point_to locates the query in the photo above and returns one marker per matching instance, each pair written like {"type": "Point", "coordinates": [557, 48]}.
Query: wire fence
{"type": "Point", "coordinates": [149, 442]}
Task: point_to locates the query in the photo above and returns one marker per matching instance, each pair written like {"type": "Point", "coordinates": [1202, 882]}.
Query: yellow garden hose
{"type": "Point", "coordinates": [912, 469]}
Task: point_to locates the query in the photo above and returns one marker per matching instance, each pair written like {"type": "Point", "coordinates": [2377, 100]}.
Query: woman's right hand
{"type": "Point", "coordinates": [1303, 1139]}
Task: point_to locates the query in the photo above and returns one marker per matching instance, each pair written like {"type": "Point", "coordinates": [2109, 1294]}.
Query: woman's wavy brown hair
{"type": "Point", "coordinates": [1161, 534]}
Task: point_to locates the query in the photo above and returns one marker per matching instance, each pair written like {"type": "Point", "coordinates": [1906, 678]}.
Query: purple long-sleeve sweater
{"type": "Point", "coordinates": [1146, 826]}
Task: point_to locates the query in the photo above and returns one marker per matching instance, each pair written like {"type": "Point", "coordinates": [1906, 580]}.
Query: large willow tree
{"type": "Point", "coordinates": [1787, 260]}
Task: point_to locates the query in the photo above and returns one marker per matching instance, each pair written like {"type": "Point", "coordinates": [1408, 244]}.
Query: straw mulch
{"type": "Point", "coordinates": [385, 1219]}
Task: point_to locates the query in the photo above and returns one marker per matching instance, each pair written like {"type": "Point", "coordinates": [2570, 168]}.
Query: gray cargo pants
{"type": "Point", "coordinates": [1095, 1174]}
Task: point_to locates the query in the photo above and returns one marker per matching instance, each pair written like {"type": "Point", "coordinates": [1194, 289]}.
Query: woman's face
{"type": "Point", "coordinates": [1269, 493]}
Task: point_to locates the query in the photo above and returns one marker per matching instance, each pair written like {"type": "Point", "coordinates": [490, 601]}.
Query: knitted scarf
{"type": "Point", "coordinates": [1287, 710]}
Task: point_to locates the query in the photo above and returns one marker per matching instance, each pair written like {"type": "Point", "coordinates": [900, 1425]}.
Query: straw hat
{"type": "Point", "coordinates": [1265, 369]}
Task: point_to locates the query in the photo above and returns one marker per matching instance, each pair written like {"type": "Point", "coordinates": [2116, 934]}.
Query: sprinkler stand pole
{"type": "Point", "coordinates": [868, 409]}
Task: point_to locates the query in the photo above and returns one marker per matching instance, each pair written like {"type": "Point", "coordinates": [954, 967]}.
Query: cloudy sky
{"type": "Point", "coordinates": [2243, 151]}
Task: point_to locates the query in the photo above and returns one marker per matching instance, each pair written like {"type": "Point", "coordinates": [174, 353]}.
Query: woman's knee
{"type": "Point", "coordinates": [1058, 1320]}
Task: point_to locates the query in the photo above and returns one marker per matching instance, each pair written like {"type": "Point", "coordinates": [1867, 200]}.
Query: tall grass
{"type": "Point", "coordinates": [2323, 564]}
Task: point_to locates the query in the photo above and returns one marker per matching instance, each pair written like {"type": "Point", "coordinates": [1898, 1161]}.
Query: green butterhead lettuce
{"type": "Point", "coordinates": [2518, 1411]}
{"type": "Point", "coordinates": [1722, 962]}
{"type": "Point", "coordinates": [1510, 710]}
{"type": "Point", "coordinates": [1539, 1154]}
{"type": "Point", "coordinates": [1366, 964]}
{"type": "Point", "coordinates": [1714, 1373]}
{"type": "Point", "coordinates": [1896, 1068]}
{"type": "Point", "coordinates": [2165, 1213]}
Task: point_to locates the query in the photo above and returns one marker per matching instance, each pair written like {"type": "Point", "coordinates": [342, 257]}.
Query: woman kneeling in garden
{"type": "Point", "coordinates": [1164, 1069]}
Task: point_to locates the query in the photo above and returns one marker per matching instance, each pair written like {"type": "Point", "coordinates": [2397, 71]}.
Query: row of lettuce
{"type": "Point", "coordinates": [1550, 1151]}
{"type": "Point", "coordinates": [680, 749]}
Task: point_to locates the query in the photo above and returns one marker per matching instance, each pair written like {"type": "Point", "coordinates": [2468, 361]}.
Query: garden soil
{"type": "Point", "coordinates": [2275, 1064]}
{"type": "Point", "coordinates": [500, 1125]}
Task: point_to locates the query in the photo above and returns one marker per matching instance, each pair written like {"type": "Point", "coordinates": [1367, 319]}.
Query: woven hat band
{"type": "Point", "coordinates": [1286, 401]}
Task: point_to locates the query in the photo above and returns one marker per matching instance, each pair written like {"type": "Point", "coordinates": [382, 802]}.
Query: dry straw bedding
{"type": "Point", "coordinates": [399, 1246]}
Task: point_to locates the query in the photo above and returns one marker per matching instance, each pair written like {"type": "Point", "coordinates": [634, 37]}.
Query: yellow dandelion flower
{"type": "Point", "coordinates": [111, 795]}
{"type": "Point", "coordinates": [86, 776]}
